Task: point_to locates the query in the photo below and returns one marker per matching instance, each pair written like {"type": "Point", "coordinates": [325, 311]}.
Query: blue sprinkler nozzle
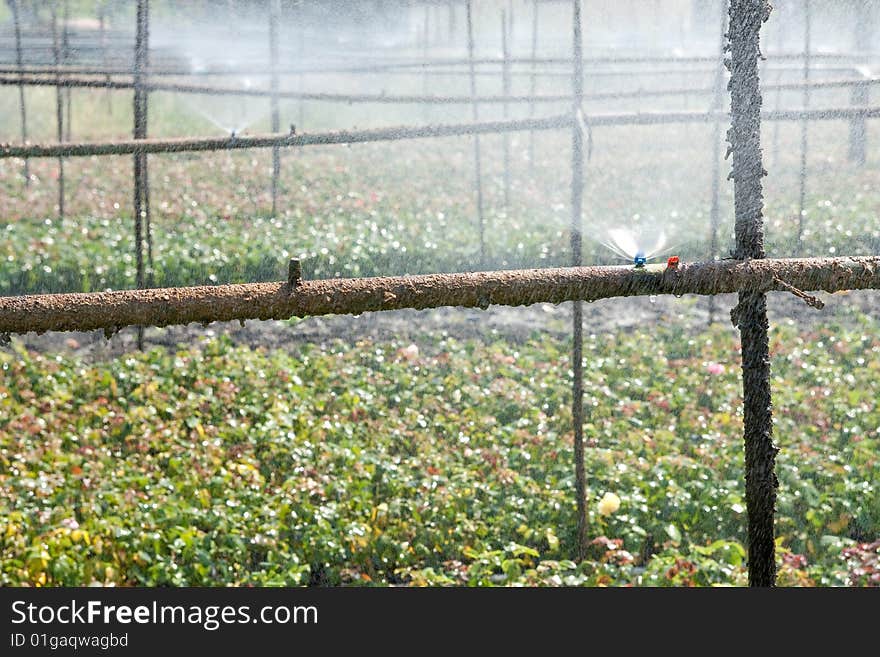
{"type": "Point", "coordinates": [640, 260]}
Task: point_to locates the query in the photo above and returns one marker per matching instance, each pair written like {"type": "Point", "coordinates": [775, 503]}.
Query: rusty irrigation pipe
{"type": "Point", "coordinates": [154, 73]}
{"type": "Point", "coordinates": [34, 78]}
{"type": "Point", "coordinates": [98, 69]}
{"type": "Point", "coordinates": [268, 93]}
{"type": "Point", "coordinates": [421, 63]}
{"type": "Point", "coordinates": [421, 66]}
{"type": "Point", "coordinates": [39, 80]}
{"type": "Point", "coordinates": [282, 140]}
{"type": "Point", "coordinates": [300, 298]}
{"type": "Point", "coordinates": [285, 140]}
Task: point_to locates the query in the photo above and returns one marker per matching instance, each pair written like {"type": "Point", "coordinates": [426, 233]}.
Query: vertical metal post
{"type": "Point", "coordinates": [781, 33]}
{"type": "Point", "coordinates": [577, 352]}
{"type": "Point", "coordinates": [274, 84]}
{"type": "Point", "coordinates": [425, 83]}
{"type": "Point", "coordinates": [141, 186]}
{"type": "Point", "coordinates": [750, 314]}
{"type": "Point", "coordinates": [533, 83]}
{"type": "Point", "coordinates": [59, 106]}
{"type": "Point", "coordinates": [19, 61]}
{"type": "Point", "coordinates": [145, 172]}
{"type": "Point", "coordinates": [776, 124]}
{"type": "Point", "coordinates": [452, 27]}
{"type": "Point", "coordinates": [301, 78]}
{"type": "Point", "coordinates": [505, 108]}
{"type": "Point", "coordinates": [864, 26]}
{"type": "Point", "coordinates": [858, 133]}
{"type": "Point", "coordinates": [715, 168]}
{"type": "Point", "coordinates": [478, 167]}
{"type": "Point", "coordinates": [802, 192]}
{"type": "Point", "coordinates": [102, 36]}
{"type": "Point", "coordinates": [65, 59]}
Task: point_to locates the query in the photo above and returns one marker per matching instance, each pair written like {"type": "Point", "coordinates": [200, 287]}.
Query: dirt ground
{"type": "Point", "coordinates": [496, 323]}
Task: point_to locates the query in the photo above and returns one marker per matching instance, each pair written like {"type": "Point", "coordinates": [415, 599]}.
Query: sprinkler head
{"type": "Point", "coordinates": [640, 260]}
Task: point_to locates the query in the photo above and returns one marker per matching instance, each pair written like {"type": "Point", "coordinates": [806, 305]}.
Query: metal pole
{"type": "Point", "coordinates": [425, 37]}
{"type": "Point", "coordinates": [776, 125]}
{"type": "Point", "coordinates": [59, 108]}
{"type": "Point", "coordinates": [750, 314]}
{"type": "Point", "coordinates": [301, 79]}
{"type": "Point", "coordinates": [19, 60]}
{"type": "Point", "coordinates": [102, 30]}
{"type": "Point", "coordinates": [274, 83]}
{"type": "Point", "coordinates": [65, 57]}
{"type": "Point", "coordinates": [864, 26]}
{"type": "Point", "coordinates": [781, 45]}
{"type": "Point", "coordinates": [804, 126]}
{"type": "Point", "coordinates": [145, 172]}
{"type": "Point", "coordinates": [577, 352]}
{"type": "Point", "coordinates": [858, 132]}
{"type": "Point", "coordinates": [505, 108]}
{"type": "Point", "coordinates": [533, 83]}
{"type": "Point", "coordinates": [141, 192]}
{"type": "Point", "coordinates": [717, 101]}
{"type": "Point", "coordinates": [452, 28]}
{"type": "Point", "coordinates": [478, 167]}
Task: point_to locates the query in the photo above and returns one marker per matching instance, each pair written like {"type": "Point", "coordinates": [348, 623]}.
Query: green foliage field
{"type": "Point", "coordinates": [446, 463]}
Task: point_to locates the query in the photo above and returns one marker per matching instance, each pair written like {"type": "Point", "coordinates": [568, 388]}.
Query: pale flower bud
{"type": "Point", "coordinates": [609, 504]}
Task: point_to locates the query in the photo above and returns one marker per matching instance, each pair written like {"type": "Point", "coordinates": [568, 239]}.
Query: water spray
{"type": "Point", "coordinates": [638, 248]}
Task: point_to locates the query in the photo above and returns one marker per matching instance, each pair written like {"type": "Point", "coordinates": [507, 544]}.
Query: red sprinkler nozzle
{"type": "Point", "coordinates": [672, 263]}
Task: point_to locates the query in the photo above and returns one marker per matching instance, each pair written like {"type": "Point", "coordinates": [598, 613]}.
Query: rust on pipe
{"type": "Point", "coordinates": [285, 140]}
{"type": "Point", "coordinates": [386, 64]}
{"type": "Point", "coordinates": [233, 142]}
{"type": "Point", "coordinates": [264, 301]}
{"type": "Point", "coordinates": [38, 80]}
{"type": "Point", "coordinates": [89, 83]}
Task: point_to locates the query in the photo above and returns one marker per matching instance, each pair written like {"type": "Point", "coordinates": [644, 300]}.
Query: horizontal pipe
{"type": "Point", "coordinates": [82, 82]}
{"type": "Point", "coordinates": [187, 144]}
{"type": "Point", "coordinates": [418, 63]}
{"type": "Point", "coordinates": [410, 68]}
{"type": "Point", "coordinates": [174, 306]}
{"type": "Point", "coordinates": [267, 93]}
{"type": "Point", "coordinates": [281, 140]}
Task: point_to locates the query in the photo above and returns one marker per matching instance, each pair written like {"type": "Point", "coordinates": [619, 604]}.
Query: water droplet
{"type": "Point", "coordinates": [653, 298]}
